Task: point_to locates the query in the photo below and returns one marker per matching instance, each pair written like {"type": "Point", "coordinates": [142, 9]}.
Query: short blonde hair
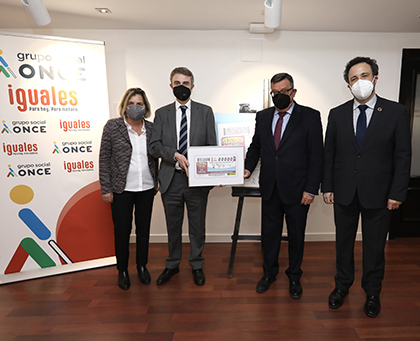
{"type": "Point", "coordinates": [122, 106]}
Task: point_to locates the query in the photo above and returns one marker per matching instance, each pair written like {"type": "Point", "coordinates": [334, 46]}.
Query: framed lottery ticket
{"type": "Point", "coordinates": [213, 165]}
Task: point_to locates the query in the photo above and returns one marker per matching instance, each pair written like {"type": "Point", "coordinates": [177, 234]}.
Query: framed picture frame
{"type": "Point", "coordinates": [215, 165]}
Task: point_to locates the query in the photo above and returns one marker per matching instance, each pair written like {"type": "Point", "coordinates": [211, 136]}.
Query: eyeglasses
{"type": "Point", "coordinates": [284, 92]}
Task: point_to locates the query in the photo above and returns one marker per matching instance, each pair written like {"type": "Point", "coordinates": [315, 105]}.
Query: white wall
{"type": "Point", "coordinates": [315, 59]}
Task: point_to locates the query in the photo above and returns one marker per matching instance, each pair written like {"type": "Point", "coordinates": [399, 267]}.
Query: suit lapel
{"type": "Point", "coordinates": [122, 128]}
{"type": "Point", "coordinates": [148, 131]}
{"type": "Point", "coordinates": [194, 117]}
{"type": "Point", "coordinates": [267, 126]}
{"type": "Point", "coordinates": [172, 124]}
{"type": "Point", "coordinates": [348, 120]}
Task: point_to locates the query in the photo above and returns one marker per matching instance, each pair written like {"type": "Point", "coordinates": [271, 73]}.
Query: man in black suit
{"type": "Point", "coordinates": [288, 139]}
{"type": "Point", "coordinates": [177, 126]}
{"type": "Point", "coordinates": [367, 169]}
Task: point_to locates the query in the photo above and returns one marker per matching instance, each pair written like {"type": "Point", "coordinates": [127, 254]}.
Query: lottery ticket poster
{"type": "Point", "coordinates": [54, 104]}
{"type": "Point", "coordinates": [238, 130]}
{"type": "Point", "coordinates": [213, 166]}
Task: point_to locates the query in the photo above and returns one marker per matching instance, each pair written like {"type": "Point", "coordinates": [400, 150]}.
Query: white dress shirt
{"type": "Point", "coordinates": [139, 177]}
{"type": "Point", "coordinates": [369, 111]}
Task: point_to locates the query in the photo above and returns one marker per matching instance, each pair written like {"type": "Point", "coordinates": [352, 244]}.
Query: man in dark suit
{"type": "Point", "coordinates": [367, 169]}
{"type": "Point", "coordinates": [288, 139]}
{"type": "Point", "coordinates": [177, 126]}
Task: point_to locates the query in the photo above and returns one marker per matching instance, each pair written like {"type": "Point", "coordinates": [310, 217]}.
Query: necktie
{"type": "Point", "coordinates": [277, 131]}
{"type": "Point", "coordinates": [361, 124]}
{"type": "Point", "coordinates": [183, 132]}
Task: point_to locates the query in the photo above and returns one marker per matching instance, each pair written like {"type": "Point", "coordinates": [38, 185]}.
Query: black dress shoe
{"type": "Point", "coordinates": [295, 289]}
{"type": "Point", "coordinates": [264, 283]}
{"type": "Point", "coordinates": [199, 278]}
{"type": "Point", "coordinates": [123, 280]}
{"type": "Point", "coordinates": [144, 274]}
{"type": "Point", "coordinates": [372, 306]}
{"type": "Point", "coordinates": [336, 298]}
{"type": "Point", "coordinates": [166, 275]}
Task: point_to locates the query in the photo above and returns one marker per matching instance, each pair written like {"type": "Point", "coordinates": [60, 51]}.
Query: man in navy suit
{"type": "Point", "coordinates": [288, 139]}
{"type": "Point", "coordinates": [367, 170]}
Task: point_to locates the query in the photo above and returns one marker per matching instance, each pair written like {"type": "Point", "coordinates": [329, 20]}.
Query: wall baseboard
{"type": "Point", "coordinates": [226, 238]}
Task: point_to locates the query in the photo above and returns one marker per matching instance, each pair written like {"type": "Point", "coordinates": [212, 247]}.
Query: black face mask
{"type": "Point", "coordinates": [281, 101]}
{"type": "Point", "coordinates": [182, 93]}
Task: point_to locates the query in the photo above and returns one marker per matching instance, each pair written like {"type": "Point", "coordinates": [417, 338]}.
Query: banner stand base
{"type": "Point", "coordinates": [57, 270]}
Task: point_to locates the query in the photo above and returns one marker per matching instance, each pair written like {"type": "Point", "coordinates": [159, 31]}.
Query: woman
{"type": "Point", "coordinates": [128, 177]}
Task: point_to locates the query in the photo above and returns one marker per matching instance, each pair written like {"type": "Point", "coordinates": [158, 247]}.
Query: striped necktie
{"type": "Point", "coordinates": [183, 132]}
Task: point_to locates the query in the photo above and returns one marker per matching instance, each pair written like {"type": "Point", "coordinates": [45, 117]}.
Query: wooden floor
{"type": "Point", "coordinates": [88, 305]}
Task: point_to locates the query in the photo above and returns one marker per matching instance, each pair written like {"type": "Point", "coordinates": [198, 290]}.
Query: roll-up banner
{"type": "Point", "coordinates": [53, 106]}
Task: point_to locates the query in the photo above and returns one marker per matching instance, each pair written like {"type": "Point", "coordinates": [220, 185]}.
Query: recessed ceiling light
{"type": "Point", "coordinates": [103, 10]}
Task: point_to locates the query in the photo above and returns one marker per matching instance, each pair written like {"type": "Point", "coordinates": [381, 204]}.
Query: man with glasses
{"type": "Point", "coordinates": [288, 139]}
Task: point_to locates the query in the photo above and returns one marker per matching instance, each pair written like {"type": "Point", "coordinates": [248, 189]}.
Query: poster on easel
{"type": "Point", "coordinates": [53, 106]}
{"type": "Point", "coordinates": [237, 130]}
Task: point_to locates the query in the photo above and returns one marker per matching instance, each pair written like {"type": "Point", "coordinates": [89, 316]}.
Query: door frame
{"type": "Point", "coordinates": [406, 220]}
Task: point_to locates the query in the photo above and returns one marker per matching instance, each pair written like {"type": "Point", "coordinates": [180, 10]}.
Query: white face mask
{"type": "Point", "coordinates": [362, 89]}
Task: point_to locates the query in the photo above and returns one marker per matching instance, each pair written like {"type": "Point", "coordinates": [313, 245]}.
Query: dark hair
{"type": "Point", "coordinates": [278, 77]}
{"type": "Point", "coordinates": [183, 71]}
{"type": "Point", "coordinates": [372, 62]}
{"type": "Point", "coordinates": [126, 97]}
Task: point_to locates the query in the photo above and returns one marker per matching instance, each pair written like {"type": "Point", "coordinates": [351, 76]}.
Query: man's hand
{"type": "Point", "coordinates": [329, 198]}
{"type": "Point", "coordinates": [182, 161]}
{"type": "Point", "coordinates": [307, 199]}
{"type": "Point", "coordinates": [247, 174]}
{"type": "Point", "coordinates": [393, 204]}
{"type": "Point", "coordinates": [109, 197]}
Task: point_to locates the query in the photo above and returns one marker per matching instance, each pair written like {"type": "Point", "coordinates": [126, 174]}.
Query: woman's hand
{"type": "Point", "coordinates": [109, 197]}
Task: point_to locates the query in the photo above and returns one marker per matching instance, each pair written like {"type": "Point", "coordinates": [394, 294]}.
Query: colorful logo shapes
{"type": "Point", "coordinates": [37, 254]}
{"type": "Point", "coordinates": [5, 128]}
{"type": "Point", "coordinates": [34, 224]}
{"type": "Point", "coordinates": [21, 194]}
{"type": "Point", "coordinates": [28, 247]}
{"type": "Point", "coordinates": [3, 69]}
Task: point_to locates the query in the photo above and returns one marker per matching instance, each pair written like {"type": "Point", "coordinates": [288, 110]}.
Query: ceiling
{"type": "Point", "coordinates": [297, 15]}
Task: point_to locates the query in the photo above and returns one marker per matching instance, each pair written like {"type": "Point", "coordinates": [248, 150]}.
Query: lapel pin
{"type": "Point", "coordinates": [379, 109]}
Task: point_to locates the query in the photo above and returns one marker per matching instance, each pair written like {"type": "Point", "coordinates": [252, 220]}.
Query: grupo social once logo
{"type": "Point", "coordinates": [73, 147]}
{"type": "Point", "coordinates": [27, 127]}
{"type": "Point", "coordinates": [29, 170]}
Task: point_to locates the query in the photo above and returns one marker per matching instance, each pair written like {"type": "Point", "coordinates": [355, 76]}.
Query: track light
{"type": "Point", "coordinates": [260, 28]}
{"type": "Point", "coordinates": [272, 13]}
{"type": "Point", "coordinates": [37, 11]}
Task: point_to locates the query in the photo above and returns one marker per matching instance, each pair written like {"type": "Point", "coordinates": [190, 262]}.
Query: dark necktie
{"type": "Point", "coordinates": [361, 124]}
{"type": "Point", "coordinates": [277, 131]}
{"type": "Point", "coordinates": [183, 132]}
